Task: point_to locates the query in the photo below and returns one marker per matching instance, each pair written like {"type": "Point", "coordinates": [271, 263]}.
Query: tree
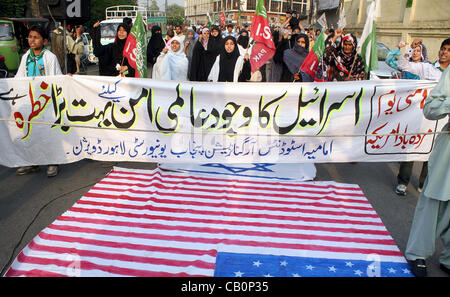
{"type": "Point", "coordinates": [98, 8]}
{"type": "Point", "coordinates": [175, 15]}
{"type": "Point", "coordinates": [176, 20]}
{"type": "Point", "coordinates": [13, 8]}
{"type": "Point", "coordinates": [175, 9]}
{"type": "Point", "coordinates": [154, 5]}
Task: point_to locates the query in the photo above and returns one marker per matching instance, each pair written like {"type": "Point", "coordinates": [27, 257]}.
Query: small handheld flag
{"type": "Point", "coordinates": [136, 47]}
{"type": "Point", "coordinates": [311, 62]}
{"type": "Point", "coordinates": [222, 19]}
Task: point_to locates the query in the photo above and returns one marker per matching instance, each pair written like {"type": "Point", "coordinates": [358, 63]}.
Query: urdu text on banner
{"type": "Point", "coordinates": [63, 119]}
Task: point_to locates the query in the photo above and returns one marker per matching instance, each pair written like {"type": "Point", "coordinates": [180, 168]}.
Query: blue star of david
{"type": "Point", "coordinates": [258, 167]}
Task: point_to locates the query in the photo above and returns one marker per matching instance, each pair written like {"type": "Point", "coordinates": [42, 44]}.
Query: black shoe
{"type": "Point", "coordinates": [27, 169]}
{"type": "Point", "coordinates": [418, 267]}
{"type": "Point", "coordinates": [444, 268]}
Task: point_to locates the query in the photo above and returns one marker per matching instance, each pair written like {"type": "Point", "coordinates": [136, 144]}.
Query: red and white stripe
{"type": "Point", "coordinates": [158, 223]}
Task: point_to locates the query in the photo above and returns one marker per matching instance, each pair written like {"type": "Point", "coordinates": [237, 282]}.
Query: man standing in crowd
{"type": "Point", "coordinates": [229, 31]}
{"type": "Point", "coordinates": [73, 46]}
{"type": "Point", "coordinates": [179, 32]}
{"type": "Point", "coordinates": [432, 215]}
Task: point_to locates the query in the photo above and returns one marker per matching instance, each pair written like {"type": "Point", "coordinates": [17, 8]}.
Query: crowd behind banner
{"type": "Point", "coordinates": [212, 53]}
{"type": "Point", "coordinates": [221, 53]}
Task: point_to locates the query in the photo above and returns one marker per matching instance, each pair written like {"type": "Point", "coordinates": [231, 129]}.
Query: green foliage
{"type": "Point", "coordinates": [154, 5]}
{"type": "Point", "coordinates": [13, 8]}
{"type": "Point", "coordinates": [98, 8]}
{"type": "Point", "coordinates": [175, 15]}
{"type": "Point", "coordinates": [176, 20]}
{"type": "Point", "coordinates": [175, 9]}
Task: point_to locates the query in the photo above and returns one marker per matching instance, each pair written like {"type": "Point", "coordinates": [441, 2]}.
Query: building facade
{"type": "Point", "coordinates": [406, 20]}
{"type": "Point", "coordinates": [196, 10]}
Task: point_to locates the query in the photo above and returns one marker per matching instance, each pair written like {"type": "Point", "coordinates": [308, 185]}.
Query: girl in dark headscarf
{"type": "Point", "coordinates": [287, 60]}
{"type": "Point", "coordinates": [216, 39]}
{"type": "Point", "coordinates": [243, 42]}
{"type": "Point", "coordinates": [277, 60]}
{"type": "Point", "coordinates": [293, 58]}
{"type": "Point", "coordinates": [155, 45]}
{"type": "Point", "coordinates": [111, 59]}
{"type": "Point", "coordinates": [243, 38]}
{"type": "Point", "coordinates": [203, 57]}
{"type": "Point", "coordinates": [189, 44]}
{"type": "Point", "coordinates": [230, 65]}
{"type": "Point", "coordinates": [343, 62]}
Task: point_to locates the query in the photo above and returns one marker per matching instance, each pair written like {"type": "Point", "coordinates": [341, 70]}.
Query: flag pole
{"type": "Point", "coordinates": [353, 64]}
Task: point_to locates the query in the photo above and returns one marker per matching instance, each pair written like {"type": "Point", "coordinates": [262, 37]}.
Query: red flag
{"type": "Point", "coordinates": [264, 49]}
{"type": "Point", "coordinates": [313, 59]}
{"type": "Point", "coordinates": [260, 54]}
{"type": "Point", "coordinates": [222, 19]}
{"type": "Point", "coordinates": [129, 52]}
{"type": "Point", "coordinates": [136, 47]}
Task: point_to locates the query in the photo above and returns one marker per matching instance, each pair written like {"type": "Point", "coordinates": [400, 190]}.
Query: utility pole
{"type": "Point", "coordinates": [310, 16]}
{"type": "Point", "coordinates": [34, 8]}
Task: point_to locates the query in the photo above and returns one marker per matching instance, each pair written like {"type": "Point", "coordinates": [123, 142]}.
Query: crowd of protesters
{"type": "Point", "coordinates": [210, 59]}
{"type": "Point", "coordinates": [221, 54]}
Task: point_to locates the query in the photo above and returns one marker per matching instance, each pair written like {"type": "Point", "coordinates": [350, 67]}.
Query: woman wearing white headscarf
{"type": "Point", "coordinates": [172, 63]}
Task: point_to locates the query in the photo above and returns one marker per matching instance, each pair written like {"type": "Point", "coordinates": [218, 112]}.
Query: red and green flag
{"type": "Point", "coordinates": [264, 48]}
{"type": "Point", "coordinates": [135, 48]}
{"type": "Point", "coordinates": [222, 19]}
{"type": "Point", "coordinates": [311, 62]}
{"type": "Point", "coordinates": [210, 22]}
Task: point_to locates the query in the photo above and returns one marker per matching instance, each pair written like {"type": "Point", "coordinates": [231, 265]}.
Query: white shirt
{"type": "Point", "coordinates": [173, 65]}
{"type": "Point", "coordinates": [51, 64]}
{"type": "Point", "coordinates": [215, 70]}
{"type": "Point", "coordinates": [424, 70]}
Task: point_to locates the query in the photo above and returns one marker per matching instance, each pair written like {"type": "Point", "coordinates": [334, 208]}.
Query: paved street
{"type": "Point", "coordinates": [30, 203]}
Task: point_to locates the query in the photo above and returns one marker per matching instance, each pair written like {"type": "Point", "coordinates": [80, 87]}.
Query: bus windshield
{"type": "Point", "coordinates": [109, 30]}
{"type": "Point", "coordinates": [6, 32]}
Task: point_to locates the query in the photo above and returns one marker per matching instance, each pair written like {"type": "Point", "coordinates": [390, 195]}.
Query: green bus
{"type": "Point", "coordinates": [9, 47]}
{"type": "Point", "coordinates": [13, 38]}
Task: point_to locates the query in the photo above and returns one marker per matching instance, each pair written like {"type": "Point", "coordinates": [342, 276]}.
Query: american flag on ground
{"type": "Point", "coordinates": [159, 223]}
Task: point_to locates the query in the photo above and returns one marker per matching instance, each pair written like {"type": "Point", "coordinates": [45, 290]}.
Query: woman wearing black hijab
{"type": "Point", "coordinates": [293, 58]}
{"type": "Point", "coordinates": [230, 65]}
{"type": "Point", "coordinates": [111, 60]}
{"type": "Point", "coordinates": [278, 66]}
{"type": "Point", "coordinates": [203, 56]}
{"type": "Point", "coordinates": [242, 41]}
{"type": "Point", "coordinates": [216, 39]}
{"type": "Point", "coordinates": [155, 45]}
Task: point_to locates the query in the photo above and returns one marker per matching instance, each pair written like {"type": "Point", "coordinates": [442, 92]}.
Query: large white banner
{"type": "Point", "coordinates": [62, 119]}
